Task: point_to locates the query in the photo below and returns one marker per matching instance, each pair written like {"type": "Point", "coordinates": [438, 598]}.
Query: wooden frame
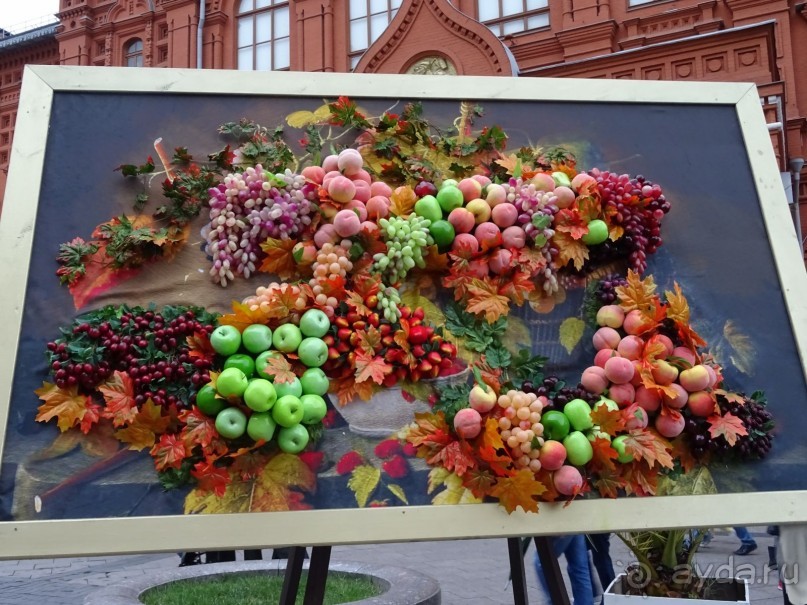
{"type": "Point", "coordinates": [41, 90]}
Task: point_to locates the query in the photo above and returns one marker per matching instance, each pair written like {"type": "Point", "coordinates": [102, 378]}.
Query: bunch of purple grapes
{"type": "Point", "coordinates": [638, 206]}
{"type": "Point", "coordinates": [151, 347]}
{"type": "Point", "coordinates": [557, 392]}
{"type": "Point", "coordinates": [249, 207]}
{"type": "Point", "coordinates": [605, 291]}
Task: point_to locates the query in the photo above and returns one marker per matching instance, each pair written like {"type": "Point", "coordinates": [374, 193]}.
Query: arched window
{"type": "Point", "coordinates": [263, 35]}
{"type": "Point", "coordinates": [506, 17]}
{"type": "Point", "coordinates": [133, 53]}
{"type": "Point", "coordinates": [368, 19]}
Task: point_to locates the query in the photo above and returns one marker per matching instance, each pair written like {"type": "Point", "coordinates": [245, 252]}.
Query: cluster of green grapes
{"type": "Point", "coordinates": [405, 238]}
{"type": "Point", "coordinates": [388, 300]}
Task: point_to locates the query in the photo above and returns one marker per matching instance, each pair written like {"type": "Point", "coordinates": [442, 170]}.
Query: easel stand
{"type": "Point", "coordinates": [321, 556]}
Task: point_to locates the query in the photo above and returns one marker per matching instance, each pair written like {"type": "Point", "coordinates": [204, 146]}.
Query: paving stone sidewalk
{"type": "Point", "coordinates": [470, 572]}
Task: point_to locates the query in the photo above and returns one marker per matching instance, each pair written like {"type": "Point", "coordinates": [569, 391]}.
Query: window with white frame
{"type": "Point", "coordinates": [263, 35]}
{"type": "Point", "coordinates": [506, 17]}
{"type": "Point", "coordinates": [368, 20]}
{"type": "Point", "coordinates": [639, 2]}
{"type": "Point", "coordinates": [133, 53]}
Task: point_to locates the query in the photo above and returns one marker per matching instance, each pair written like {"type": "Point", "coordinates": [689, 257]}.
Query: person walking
{"type": "Point", "coordinates": [573, 547]}
{"type": "Point", "coordinates": [793, 563]}
{"type": "Point", "coordinates": [747, 542]}
{"type": "Point", "coordinates": [600, 547]}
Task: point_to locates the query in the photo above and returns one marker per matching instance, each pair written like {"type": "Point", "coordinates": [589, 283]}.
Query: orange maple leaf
{"type": "Point", "coordinates": [728, 426]}
{"type": "Point", "coordinates": [118, 393]}
{"type": "Point", "coordinates": [730, 397]}
{"type": "Point", "coordinates": [569, 221]}
{"type": "Point", "coordinates": [570, 249]}
{"type": "Point", "coordinates": [511, 163]}
{"type": "Point", "coordinates": [640, 480]}
{"type": "Point", "coordinates": [370, 367]}
{"type": "Point", "coordinates": [211, 478]}
{"type": "Point", "coordinates": [430, 430]}
{"type": "Point", "coordinates": [199, 346]}
{"type": "Point", "coordinates": [587, 204]}
{"type": "Point", "coordinates": [142, 432]}
{"type": "Point", "coordinates": [279, 368]}
{"type": "Point", "coordinates": [279, 258]}
{"type": "Point", "coordinates": [200, 430]}
{"type": "Point", "coordinates": [545, 478]}
{"type": "Point", "coordinates": [242, 316]}
{"type": "Point", "coordinates": [682, 452]}
{"type": "Point", "coordinates": [517, 287]}
{"type": "Point", "coordinates": [653, 351]}
{"type": "Point", "coordinates": [490, 447]}
{"type": "Point", "coordinates": [402, 201]}
{"type": "Point", "coordinates": [168, 452]}
{"type": "Point", "coordinates": [608, 420]}
{"type": "Point", "coordinates": [479, 481]}
{"type": "Point", "coordinates": [484, 299]}
{"type": "Point", "coordinates": [66, 405]}
{"type": "Point", "coordinates": [456, 456]}
{"type": "Point", "coordinates": [529, 260]}
{"type": "Point", "coordinates": [92, 415]}
{"type": "Point", "coordinates": [638, 293]}
{"type": "Point", "coordinates": [369, 340]}
{"type": "Point", "coordinates": [649, 446]}
{"type": "Point", "coordinates": [677, 305]}
{"type": "Point", "coordinates": [356, 302]}
{"type": "Point", "coordinates": [604, 455]}
{"type": "Point", "coordinates": [522, 489]}
{"type": "Point", "coordinates": [609, 482]}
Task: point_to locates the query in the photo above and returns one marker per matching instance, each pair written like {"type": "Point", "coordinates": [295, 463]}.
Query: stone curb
{"type": "Point", "coordinates": [402, 586]}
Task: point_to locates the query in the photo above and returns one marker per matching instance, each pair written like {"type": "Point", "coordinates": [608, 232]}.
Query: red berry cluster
{"type": "Point", "coordinates": [151, 347]}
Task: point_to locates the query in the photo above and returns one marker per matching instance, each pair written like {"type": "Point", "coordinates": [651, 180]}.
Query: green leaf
{"type": "Point", "coordinates": [571, 331]}
{"type": "Point", "coordinates": [541, 221]}
{"type": "Point", "coordinates": [363, 481]}
{"type": "Point", "coordinates": [398, 491]}
{"type": "Point", "coordinates": [497, 356]}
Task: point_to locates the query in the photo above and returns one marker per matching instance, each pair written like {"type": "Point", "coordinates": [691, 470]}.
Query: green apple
{"type": "Point", "coordinates": [288, 411]}
{"type": "Point", "coordinates": [597, 233]}
{"type": "Point", "coordinates": [594, 434]}
{"type": "Point", "coordinates": [315, 323]}
{"type": "Point", "coordinates": [208, 401]}
{"type": "Point", "coordinates": [231, 423]}
{"type": "Point", "coordinates": [225, 340]}
{"type": "Point", "coordinates": [243, 362]}
{"type": "Point", "coordinates": [293, 387]}
{"type": "Point", "coordinates": [292, 440]}
{"type": "Point", "coordinates": [449, 183]}
{"type": "Point", "coordinates": [287, 338]}
{"type": "Point", "coordinates": [260, 395]}
{"type": "Point", "coordinates": [578, 448]}
{"type": "Point", "coordinates": [449, 197]}
{"type": "Point", "coordinates": [556, 425]}
{"type": "Point", "coordinates": [442, 232]}
{"type": "Point", "coordinates": [257, 338]}
{"type": "Point", "coordinates": [261, 425]}
{"type": "Point", "coordinates": [232, 382]}
{"type": "Point", "coordinates": [314, 408]}
{"type": "Point", "coordinates": [428, 207]}
{"type": "Point", "coordinates": [561, 179]}
{"type": "Point", "coordinates": [619, 445]}
{"type": "Point", "coordinates": [579, 414]}
{"type": "Point", "coordinates": [313, 352]}
{"type": "Point", "coordinates": [262, 360]}
{"type": "Point", "coordinates": [314, 382]}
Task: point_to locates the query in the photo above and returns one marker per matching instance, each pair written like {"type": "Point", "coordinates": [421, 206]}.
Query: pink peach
{"type": "Point", "coordinates": [468, 423]}
{"type": "Point", "coordinates": [680, 399]}
{"type": "Point", "coordinates": [567, 480]}
{"type": "Point", "coordinates": [622, 394]}
{"type": "Point", "coordinates": [465, 244]}
{"type": "Point", "coordinates": [341, 189]}
{"type": "Point", "coordinates": [378, 207]}
{"type": "Point", "coordinates": [606, 338]}
{"type": "Point", "coordinates": [583, 181]}
{"type": "Point", "coordinates": [618, 370]}
{"type": "Point", "coordinates": [480, 209]}
{"type": "Point", "coordinates": [636, 322]}
{"type": "Point", "coordinates": [471, 189]}
{"type": "Point", "coordinates": [347, 223]}
{"type": "Point", "coordinates": [362, 191]}
{"type": "Point", "coordinates": [361, 175]}
{"type": "Point", "coordinates": [686, 354]}
{"type": "Point", "coordinates": [564, 197]}
{"type": "Point", "coordinates": [631, 347]}
{"type": "Point", "coordinates": [330, 163]}
{"type": "Point", "coordinates": [349, 161]}
{"type": "Point", "coordinates": [315, 174]}
{"type": "Point", "coordinates": [701, 403]}
{"type": "Point", "coordinates": [604, 355]}
{"type": "Point", "coordinates": [635, 417]}
{"type": "Point", "coordinates": [668, 344]}
{"type": "Point", "coordinates": [500, 261]}
{"type": "Point", "coordinates": [543, 182]}
{"type": "Point", "coordinates": [648, 399]}
{"type": "Point", "coordinates": [488, 235]}
{"type": "Point", "coordinates": [504, 215]}
{"type": "Point", "coordinates": [611, 316]}
{"type": "Point", "coordinates": [514, 237]}
{"type": "Point", "coordinates": [671, 424]}
{"type": "Point", "coordinates": [462, 220]}
{"type": "Point", "coordinates": [552, 455]}
{"type": "Point", "coordinates": [664, 373]}
{"type": "Point", "coordinates": [594, 380]}
{"type": "Point", "coordinates": [479, 268]}
{"type": "Point", "coordinates": [358, 207]}
{"type": "Point", "coordinates": [326, 234]}
{"type": "Point", "coordinates": [495, 194]}
{"type": "Point", "coordinates": [380, 188]}
{"type": "Point", "coordinates": [695, 378]}
{"type": "Point", "coordinates": [481, 179]}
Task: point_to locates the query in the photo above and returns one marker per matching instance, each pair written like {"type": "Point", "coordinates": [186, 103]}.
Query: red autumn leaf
{"type": "Point", "coordinates": [609, 421]}
{"type": "Point", "coordinates": [569, 221]}
{"type": "Point", "coordinates": [371, 368]}
{"type": "Point", "coordinates": [522, 489]}
{"type": "Point", "coordinates": [168, 452]}
{"type": "Point", "coordinates": [366, 285]}
{"type": "Point", "coordinates": [142, 432]}
{"type": "Point", "coordinates": [66, 405]}
{"type": "Point", "coordinates": [640, 480]}
{"type": "Point", "coordinates": [484, 299]}
{"type": "Point", "coordinates": [200, 430]}
{"type": "Point", "coordinates": [279, 258]}
{"type": "Point", "coordinates": [609, 482]}
{"type": "Point", "coordinates": [248, 466]}
{"type": "Point", "coordinates": [545, 478]}
{"type": "Point", "coordinates": [529, 260]}
{"type": "Point", "coordinates": [587, 204]}
{"type": "Point", "coordinates": [98, 278]}
{"type": "Point", "coordinates": [456, 456]}
{"type": "Point", "coordinates": [517, 287]}
{"type": "Point", "coordinates": [682, 452]}
{"type": "Point", "coordinates": [92, 415]}
{"type": "Point", "coordinates": [119, 396]}
{"type": "Point", "coordinates": [479, 481]}
{"type": "Point", "coordinates": [603, 455]}
{"type": "Point", "coordinates": [432, 430]}
{"type": "Point", "coordinates": [282, 302]}
{"type": "Point", "coordinates": [279, 367]}
{"type": "Point", "coordinates": [728, 426]}
{"type": "Point", "coordinates": [199, 346]}
{"type": "Point", "coordinates": [490, 447]}
{"type": "Point", "coordinates": [242, 316]}
{"type": "Point", "coordinates": [649, 446]}
{"type": "Point", "coordinates": [211, 478]}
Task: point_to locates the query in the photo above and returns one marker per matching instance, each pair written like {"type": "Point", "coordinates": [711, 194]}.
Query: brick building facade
{"type": "Point", "coordinates": [756, 41]}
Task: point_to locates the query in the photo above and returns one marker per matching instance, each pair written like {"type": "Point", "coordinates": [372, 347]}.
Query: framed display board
{"type": "Point", "coordinates": [728, 242]}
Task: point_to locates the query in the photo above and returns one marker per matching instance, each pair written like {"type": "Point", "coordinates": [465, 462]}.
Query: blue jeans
{"type": "Point", "coordinates": [745, 536]}
{"type": "Point", "coordinates": [574, 548]}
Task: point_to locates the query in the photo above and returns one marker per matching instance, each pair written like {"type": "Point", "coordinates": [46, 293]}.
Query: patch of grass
{"type": "Point", "coordinates": [256, 589]}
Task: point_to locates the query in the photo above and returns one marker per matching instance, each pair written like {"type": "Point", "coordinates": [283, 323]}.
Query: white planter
{"type": "Point", "coordinates": [614, 596]}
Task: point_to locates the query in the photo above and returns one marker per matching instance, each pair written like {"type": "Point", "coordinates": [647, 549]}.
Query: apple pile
{"type": "Point", "coordinates": [249, 398]}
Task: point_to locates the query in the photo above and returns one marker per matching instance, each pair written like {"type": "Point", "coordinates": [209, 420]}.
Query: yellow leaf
{"type": "Point", "coordinates": [570, 249]}
{"type": "Point", "coordinates": [398, 491]}
{"type": "Point", "coordinates": [437, 476]}
{"type": "Point", "coordinates": [453, 492]}
{"type": "Point", "coordinates": [516, 336]}
{"type": "Point", "coordinates": [236, 499]}
{"type": "Point", "coordinates": [301, 119]}
{"type": "Point", "coordinates": [403, 201]}
{"type": "Point", "coordinates": [741, 350]}
{"type": "Point", "coordinates": [571, 331]}
{"type": "Point", "coordinates": [363, 481]}
{"type": "Point", "coordinates": [638, 293]}
{"type": "Point", "coordinates": [677, 306]}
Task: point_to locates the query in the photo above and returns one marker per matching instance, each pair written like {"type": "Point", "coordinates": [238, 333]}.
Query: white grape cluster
{"type": "Point", "coordinates": [405, 238]}
{"type": "Point", "coordinates": [521, 427]}
{"type": "Point", "coordinates": [388, 300]}
{"type": "Point", "coordinates": [245, 209]}
{"type": "Point", "coordinates": [332, 260]}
